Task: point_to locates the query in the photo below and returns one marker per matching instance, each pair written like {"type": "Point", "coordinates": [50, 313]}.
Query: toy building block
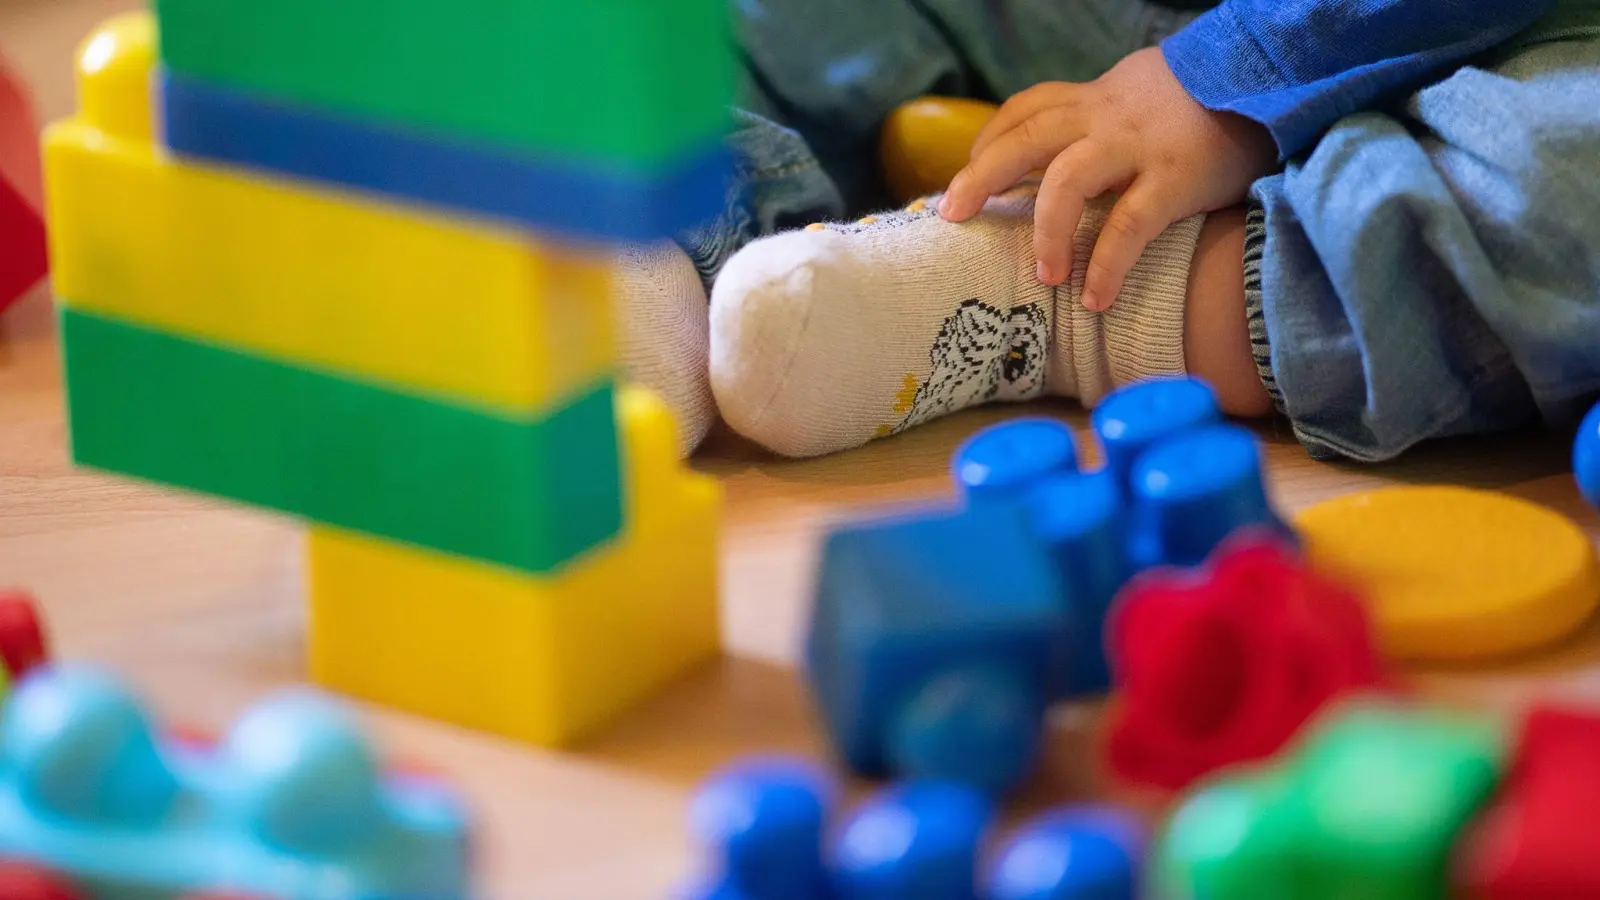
{"type": "Point", "coordinates": [1083, 521]}
{"type": "Point", "coordinates": [21, 881]}
{"type": "Point", "coordinates": [761, 823]}
{"type": "Point", "coordinates": [23, 260]}
{"type": "Point", "coordinates": [630, 83]}
{"type": "Point", "coordinates": [572, 200]}
{"type": "Point", "coordinates": [22, 642]}
{"type": "Point", "coordinates": [918, 840]}
{"type": "Point", "coordinates": [1193, 491]}
{"type": "Point", "coordinates": [924, 144]}
{"type": "Point", "coordinates": [1586, 457]}
{"type": "Point", "coordinates": [434, 306]}
{"type": "Point", "coordinates": [1076, 853]}
{"type": "Point", "coordinates": [1135, 418]}
{"type": "Point", "coordinates": [1538, 841]}
{"type": "Point", "coordinates": [1454, 574]}
{"type": "Point", "coordinates": [1226, 667]}
{"type": "Point", "coordinates": [291, 802]}
{"type": "Point", "coordinates": [525, 494]}
{"type": "Point", "coordinates": [1033, 464]}
{"type": "Point", "coordinates": [935, 644]}
{"type": "Point", "coordinates": [548, 658]}
{"type": "Point", "coordinates": [1003, 462]}
{"type": "Point", "coordinates": [1370, 805]}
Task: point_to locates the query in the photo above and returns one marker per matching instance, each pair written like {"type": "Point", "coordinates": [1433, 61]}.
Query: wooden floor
{"type": "Point", "coordinates": [200, 604]}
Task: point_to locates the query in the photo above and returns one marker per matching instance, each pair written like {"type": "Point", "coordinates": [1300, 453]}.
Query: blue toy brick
{"type": "Point", "coordinates": [1087, 853]}
{"type": "Point", "coordinates": [577, 200]}
{"type": "Point", "coordinates": [936, 642]}
{"type": "Point", "coordinates": [1586, 457]}
{"type": "Point", "coordinates": [1195, 490]}
{"type": "Point", "coordinates": [1002, 460]}
{"type": "Point", "coordinates": [1083, 520]}
{"type": "Point", "coordinates": [290, 803]}
{"type": "Point", "coordinates": [914, 841]}
{"type": "Point", "coordinates": [761, 822]}
{"type": "Point", "coordinates": [1134, 418]}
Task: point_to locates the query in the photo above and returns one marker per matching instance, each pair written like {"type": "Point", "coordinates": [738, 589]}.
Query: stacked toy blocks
{"type": "Point", "coordinates": [940, 637]}
{"type": "Point", "coordinates": [97, 802]}
{"type": "Point", "coordinates": [346, 283]}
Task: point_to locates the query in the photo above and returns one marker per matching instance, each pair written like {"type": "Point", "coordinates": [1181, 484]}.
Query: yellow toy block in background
{"type": "Point", "coordinates": [538, 659]}
{"type": "Point", "coordinates": [312, 277]}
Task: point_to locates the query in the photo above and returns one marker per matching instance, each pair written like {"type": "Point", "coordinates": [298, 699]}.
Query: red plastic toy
{"type": "Point", "coordinates": [23, 255]}
{"type": "Point", "coordinates": [1538, 840]}
{"type": "Point", "coordinates": [1224, 665]}
{"type": "Point", "coordinates": [22, 644]}
{"type": "Point", "coordinates": [23, 881]}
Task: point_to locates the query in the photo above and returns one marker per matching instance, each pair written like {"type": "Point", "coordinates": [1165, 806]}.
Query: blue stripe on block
{"type": "Point", "coordinates": [578, 201]}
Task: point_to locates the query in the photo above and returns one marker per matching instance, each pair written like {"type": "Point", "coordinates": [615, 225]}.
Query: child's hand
{"type": "Point", "coordinates": [1134, 131]}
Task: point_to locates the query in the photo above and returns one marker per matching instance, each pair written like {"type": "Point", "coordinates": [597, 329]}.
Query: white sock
{"type": "Point", "coordinates": [661, 333]}
{"type": "Point", "coordinates": [824, 339]}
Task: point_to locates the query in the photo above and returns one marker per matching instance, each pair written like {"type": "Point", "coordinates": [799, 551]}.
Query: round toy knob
{"type": "Point", "coordinates": [1001, 461]}
{"type": "Point", "coordinates": [1134, 418]}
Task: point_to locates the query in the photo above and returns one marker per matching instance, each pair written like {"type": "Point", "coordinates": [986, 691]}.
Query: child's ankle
{"type": "Point", "coordinates": [1217, 347]}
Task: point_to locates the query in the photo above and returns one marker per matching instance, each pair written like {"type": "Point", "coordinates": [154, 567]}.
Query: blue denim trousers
{"type": "Point", "coordinates": [1428, 269]}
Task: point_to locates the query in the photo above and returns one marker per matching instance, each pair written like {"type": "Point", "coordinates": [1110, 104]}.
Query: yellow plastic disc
{"type": "Point", "coordinates": [926, 142]}
{"type": "Point", "coordinates": [1453, 574]}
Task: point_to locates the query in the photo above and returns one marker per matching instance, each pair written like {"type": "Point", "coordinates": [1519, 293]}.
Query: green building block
{"type": "Point", "coordinates": [636, 82]}
{"type": "Point", "coordinates": [525, 494]}
{"type": "Point", "coordinates": [1370, 807]}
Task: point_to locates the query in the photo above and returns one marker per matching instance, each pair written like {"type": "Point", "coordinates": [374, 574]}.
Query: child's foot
{"type": "Point", "coordinates": [661, 333]}
{"type": "Point", "coordinates": [826, 338]}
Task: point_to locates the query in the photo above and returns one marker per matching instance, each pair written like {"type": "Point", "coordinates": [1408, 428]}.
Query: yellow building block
{"type": "Point", "coordinates": [1453, 574]}
{"type": "Point", "coordinates": [538, 659]}
{"type": "Point", "coordinates": [312, 277]}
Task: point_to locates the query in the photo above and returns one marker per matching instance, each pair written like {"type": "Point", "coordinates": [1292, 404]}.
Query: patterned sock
{"type": "Point", "coordinates": [661, 332]}
{"type": "Point", "coordinates": [824, 339]}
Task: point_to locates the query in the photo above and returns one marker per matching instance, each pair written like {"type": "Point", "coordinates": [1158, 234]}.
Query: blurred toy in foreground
{"type": "Point", "coordinates": [23, 258]}
{"type": "Point", "coordinates": [1586, 457]}
{"type": "Point", "coordinates": [1370, 804]}
{"type": "Point", "coordinates": [1225, 666]}
{"type": "Point", "coordinates": [764, 828]}
{"type": "Point", "coordinates": [290, 806]}
{"type": "Point", "coordinates": [940, 636]}
{"type": "Point", "coordinates": [22, 642]}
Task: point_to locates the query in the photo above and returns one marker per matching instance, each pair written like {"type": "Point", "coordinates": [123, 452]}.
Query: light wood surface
{"type": "Point", "coordinates": [200, 603]}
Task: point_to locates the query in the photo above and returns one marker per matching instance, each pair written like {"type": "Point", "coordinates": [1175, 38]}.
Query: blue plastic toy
{"type": "Point", "coordinates": [1133, 419]}
{"type": "Point", "coordinates": [1083, 520]}
{"type": "Point", "coordinates": [1586, 457]}
{"type": "Point", "coordinates": [291, 805]}
{"type": "Point", "coordinates": [915, 841]}
{"type": "Point", "coordinates": [936, 643]}
{"type": "Point", "coordinates": [762, 822]}
{"type": "Point", "coordinates": [586, 202]}
{"type": "Point", "coordinates": [1087, 853]}
{"type": "Point", "coordinates": [999, 463]}
{"type": "Point", "coordinates": [1193, 490]}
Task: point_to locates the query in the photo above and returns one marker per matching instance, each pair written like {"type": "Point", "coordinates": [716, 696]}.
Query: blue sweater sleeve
{"type": "Point", "coordinates": [1298, 66]}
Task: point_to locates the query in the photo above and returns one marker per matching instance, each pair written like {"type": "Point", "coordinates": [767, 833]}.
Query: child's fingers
{"type": "Point", "coordinates": [1082, 172]}
{"type": "Point", "coordinates": [1021, 107]}
{"type": "Point", "coordinates": [1136, 220]}
{"type": "Point", "coordinates": [1025, 148]}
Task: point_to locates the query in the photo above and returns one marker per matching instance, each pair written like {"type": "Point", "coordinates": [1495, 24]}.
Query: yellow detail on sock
{"type": "Point", "coordinates": [817, 226]}
{"type": "Point", "coordinates": [539, 659]}
{"type": "Point", "coordinates": [907, 395]}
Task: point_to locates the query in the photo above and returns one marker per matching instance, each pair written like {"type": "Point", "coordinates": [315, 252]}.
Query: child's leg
{"type": "Point", "coordinates": [821, 75]}
{"type": "Point", "coordinates": [824, 339]}
{"type": "Point", "coordinates": [1436, 271]}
